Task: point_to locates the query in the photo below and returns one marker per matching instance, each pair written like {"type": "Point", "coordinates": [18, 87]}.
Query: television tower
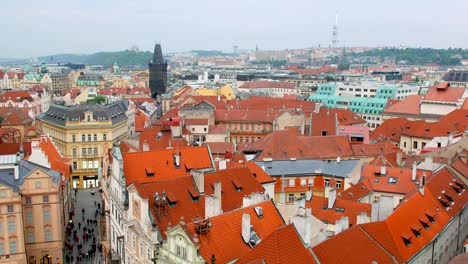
{"type": "Point", "coordinates": [335, 33]}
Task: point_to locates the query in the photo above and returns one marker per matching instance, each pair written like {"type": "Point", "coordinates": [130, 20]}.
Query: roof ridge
{"type": "Point", "coordinates": [377, 243]}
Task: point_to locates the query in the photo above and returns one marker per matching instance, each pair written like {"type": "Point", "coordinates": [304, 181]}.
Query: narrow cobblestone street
{"type": "Point", "coordinates": [82, 239]}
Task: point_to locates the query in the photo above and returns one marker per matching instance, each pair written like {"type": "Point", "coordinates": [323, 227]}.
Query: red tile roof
{"type": "Point", "coordinates": [184, 206]}
{"type": "Point", "coordinates": [465, 104]}
{"type": "Point", "coordinates": [224, 238]}
{"type": "Point", "coordinates": [15, 96]}
{"type": "Point", "coordinates": [373, 150]}
{"type": "Point", "coordinates": [382, 183]}
{"type": "Point", "coordinates": [356, 192]}
{"type": "Point", "coordinates": [267, 84]}
{"type": "Point", "coordinates": [352, 209]}
{"type": "Point", "coordinates": [232, 197]}
{"type": "Point", "coordinates": [284, 245]}
{"type": "Point", "coordinates": [409, 105]}
{"type": "Point", "coordinates": [447, 94]}
{"type": "Point", "coordinates": [15, 116]}
{"type": "Point", "coordinates": [196, 121]}
{"type": "Point", "coordinates": [461, 167]}
{"type": "Point", "coordinates": [410, 215]}
{"type": "Point", "coordinates": [13, 148]}
{"type": "Point", "coordinates": [270, 103]}
{"type": "Point", "coordinates": [9, 135]}
{"type": "Point", "coordinates": [355, 247]}
{"type": "Point", "coordinates": [113, 91]}
{"type": "Point", "coordinates": [162, 162]}
{"type": "Point", "coordinates": [368, 242]}
{"type": "Point", "coordinates": [139, 90]}
{"type": "Point", "coordinates": [286, 144]}
{"type": "Point", "coordinates": [389, 130]}
{"type": "Point", "coordinates": [141, 120]}
{"type": "Point", "coordinates": [246, 115]}
{"type": "Point", "coordinates": [220, 147]}
{"type": "Point", "coordinates": [56, 160]}
{"type": "Point", "coordinates": [156, 142]}
{"type": "Point", "coordinates": [260, 175]}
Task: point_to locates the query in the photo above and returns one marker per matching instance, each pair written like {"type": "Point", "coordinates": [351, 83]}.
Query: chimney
{"type": "Point", "coordinates": [422, 183]}
{"type": "Point", "coordinates": [219, 97]}
{"type": "Point", "coordinates": [145, 146]}
{"type": "Point", "coordinates": [317, 107]}
{"type": "Point", "coordinates": [331, 198]}
{"type": "Point", "coordinates": [246, 227]}
{"type": "Point", "coordinates": [16, 171]}
{"type": "Point", "coordinates": [399, 156]}
{"type": "Point", "coordinates": [450, 139]}
{"type": "Point", "coordinates": [177, 160]}
{"type": "Point", "coordinates": [222, 165]}
{"type": "Point", "coordinates": [428, 162]}
{"type": "Point", "coordinates": [169, 145]}
{"type": "Point", "coordinates": [383, 170]}
{"type": "Point", "coordinates": [213, 202]}
{"type": "Point", "coordinates": [199, 179]}
{"type": "Point", "coordinates": [309, 195]}
{"type": "Point", "coordinates": [413, 173]}
{"type": "Point", "coordinates": [303, 224]}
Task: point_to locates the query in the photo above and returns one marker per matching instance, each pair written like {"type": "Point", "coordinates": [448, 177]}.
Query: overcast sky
{"type": "Point", "coordinates": [46, 27]}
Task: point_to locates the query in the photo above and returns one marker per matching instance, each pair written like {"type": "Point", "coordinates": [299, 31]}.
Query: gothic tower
{"type": "Point", "coordinates": [157, 73]}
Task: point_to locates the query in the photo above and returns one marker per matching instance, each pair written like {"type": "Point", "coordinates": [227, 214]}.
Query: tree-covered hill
{"type": "Point", "coordinates": [419, 56]}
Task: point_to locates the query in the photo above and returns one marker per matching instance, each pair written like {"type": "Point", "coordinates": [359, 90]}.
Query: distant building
{"type": "Point", "coordinates": [457, 78]}
{"type": "Point", "coordinates": [60, 82]}
{"type": "Point", "coordinates": [157, 73]}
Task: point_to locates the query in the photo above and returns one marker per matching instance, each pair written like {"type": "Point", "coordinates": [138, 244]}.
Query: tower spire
{"type": "Point", "coordinates": [335, 32]}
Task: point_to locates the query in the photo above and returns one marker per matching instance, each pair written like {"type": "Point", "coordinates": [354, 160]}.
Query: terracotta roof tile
{"type": "Point", "coordinates": [55, 158]}
{"type": "Point", "coordinates": [357, 192]}
{"type": "Point", "coordinates": [13, 148]}
{"type": "Point", "coordinates": [224, 238]}
{"type": "Point", "coordinates": [409, 105]}
{"type": "Point", "coordinates": [15, 96]}
{"type": "Point", "coordinates": [352, 209]}
{"type": "Point", "coordinates": [163, 163]}
{"type": "Point", "coordinates": [286, 144]}
{"type": "Point", "coordinates": [220, 147]}
{"type": "Point", "coordinates": [356, 247]}
{"type": "Point", "coordinates": [268, 84]}
{"type": "Point", "coordinates": [444, 94]}
{"type": "Point", "coordinates": [246, 115]}
{"type": "Point", "coordinates": [260, 175]}
{"type": "Point", "coordinates": [284, 245]}
{"type": "Point", "coordinates": [150, 135]}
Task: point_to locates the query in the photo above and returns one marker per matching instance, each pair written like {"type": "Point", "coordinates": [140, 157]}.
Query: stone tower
{"type": "Point", "coordinates": [157, 73]}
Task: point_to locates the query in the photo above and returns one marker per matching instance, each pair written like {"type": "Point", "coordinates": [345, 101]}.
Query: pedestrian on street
{"type": "Point", "coordinates": [79, 225]}
{"type": "Point", "coordinates": [82, 210]}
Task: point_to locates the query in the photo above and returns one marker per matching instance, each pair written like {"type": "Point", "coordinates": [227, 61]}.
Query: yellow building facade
{"type": "Point", "coordinates": [84, 133]}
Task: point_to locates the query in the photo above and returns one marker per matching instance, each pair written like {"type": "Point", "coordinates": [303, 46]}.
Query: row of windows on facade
{"type": "Point", "coordinates": [309, 182]}
{"type": "Point", "coordinates": [28, 200]}
{"type": "Point", "coordinates": [93, 138]}
{"type": "Point", "coordinates": [141, 249]}
{"type": "Point", "coordinates": [416, 144]}
{"type": "Point", "coordinates": [240, 126]}
{"type": "Point", "coordinates": [241, 139]}
{"type": "Point", "coordinates": [357, 90]}
{"type": "Point", "coordinates": [90, 152]}
{"type": "Point", "coordinates": [86, 164]}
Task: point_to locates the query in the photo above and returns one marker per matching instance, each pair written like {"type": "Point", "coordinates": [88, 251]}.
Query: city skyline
{"type": "Point", "coordinates": [55, 27]}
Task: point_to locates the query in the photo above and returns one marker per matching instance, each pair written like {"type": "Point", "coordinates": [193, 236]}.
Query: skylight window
{"type": "Point", "coordinates": [392, 180]}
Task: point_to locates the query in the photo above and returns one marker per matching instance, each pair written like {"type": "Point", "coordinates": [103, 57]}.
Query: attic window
{"type": "Point", "coordinates": [444, 202]}
{"type": "Point", "coordinates": [171, 198]}
{"type": "Point", "coordinates": [456, 188]}
{"type": "Point", "coordinates": [392, 180]}
{"type": "Point", "coordinates": [149, 172]}
{"type": "Point", "coordinates": [416, 230]}
{"type": "Point", "coordinates": [194, 194]}
{"type": "Point", "coordinates": [237, 184]}
{"type": "Point", "coordinates": [339, 209]}
{"type": "Point", "coordinates": [424, 222]}
{"type": "Point", "coordinates": [449, 197]}
{"type": "Point", "coordinates": [406, 239]}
